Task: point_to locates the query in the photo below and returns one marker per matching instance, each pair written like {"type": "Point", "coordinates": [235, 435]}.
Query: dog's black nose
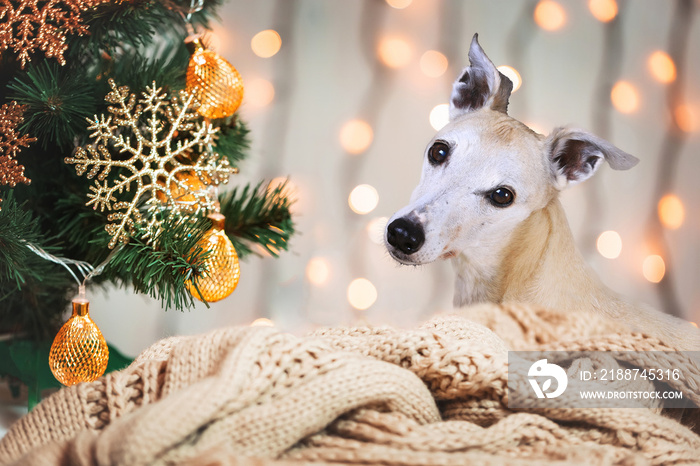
{"type": "Point", "coordinates": [405, 235]}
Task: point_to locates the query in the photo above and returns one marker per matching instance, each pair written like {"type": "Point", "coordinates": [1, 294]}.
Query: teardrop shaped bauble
{"type": "Point", "coordinates": [222, 267]}
{"type": "Point", "coordinates": [215, 83]}
{"type": "Point", "coordinates": [79, 352]}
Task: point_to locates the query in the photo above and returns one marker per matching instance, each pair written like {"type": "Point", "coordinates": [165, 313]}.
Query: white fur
{"type": "Point", "coordinates": [524, 252]}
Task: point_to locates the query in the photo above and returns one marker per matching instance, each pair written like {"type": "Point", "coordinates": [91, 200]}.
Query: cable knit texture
{"type": "Point", "coordinates": [432, 395]}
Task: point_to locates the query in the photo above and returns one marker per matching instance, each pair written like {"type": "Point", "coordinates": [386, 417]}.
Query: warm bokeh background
{"type": "Point", "coordinates": [346, 101]}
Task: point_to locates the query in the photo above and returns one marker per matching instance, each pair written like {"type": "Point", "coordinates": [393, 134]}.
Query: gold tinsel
{"type": "Point", "coordinates": [79, 352]}
{"type": "Point", "coordinates": [11, 143]}
{"type": "Point", "coordinates": [223, 270]}
{"type": "Point", "coordinates": [151, 157]}
{"type": "Point", "coordinates": [28, 26]}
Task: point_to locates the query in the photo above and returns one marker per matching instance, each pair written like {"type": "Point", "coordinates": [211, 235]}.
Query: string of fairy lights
{"type": "Point", "coordinates": [395, 52]}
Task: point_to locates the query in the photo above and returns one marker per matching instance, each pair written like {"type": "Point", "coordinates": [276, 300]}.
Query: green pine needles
{"type": "Point", "coordinates": [32, 289]}
{"type": "Point", "coordinates": [160, 267]}
{"type": "Point", "coordinates": [133, 43]}
{"type": "Point", "coordinates": [258, 216]}
{"type": "Point", "coordinates": [58, 103]}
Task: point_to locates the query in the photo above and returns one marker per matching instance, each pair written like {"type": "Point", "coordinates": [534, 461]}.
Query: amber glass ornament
{"type": "Point", "coordinates": [186, 198]}
{"type": "Point", "coordinates": [215, 83]}
{"type": "Point", "coordinates": [79, 352]}
{"type": "Point", "coordinates": [223, 270]}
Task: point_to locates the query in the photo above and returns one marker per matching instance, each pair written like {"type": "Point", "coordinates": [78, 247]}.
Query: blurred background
{"type": "Point", "coordinates": [341, 98]}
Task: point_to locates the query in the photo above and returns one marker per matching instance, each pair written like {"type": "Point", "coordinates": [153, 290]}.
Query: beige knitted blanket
{"type": "Point", "coordinates": [359, 395]}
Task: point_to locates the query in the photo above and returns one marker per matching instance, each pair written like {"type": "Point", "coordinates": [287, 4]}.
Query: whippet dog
{"type": "Point", "coordinates": [488, 200]}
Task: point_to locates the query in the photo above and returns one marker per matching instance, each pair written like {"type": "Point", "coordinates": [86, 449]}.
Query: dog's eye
{"type": "Point", "coordinates": [501, 197]}
{"type": "Point", "coordinates": [438, 152]}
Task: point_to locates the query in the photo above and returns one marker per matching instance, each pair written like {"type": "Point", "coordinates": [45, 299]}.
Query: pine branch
{"type": "Point", "coordinates": [134, 24]}
{"type": "Point", "coordinates": [32, 290]}
{"type": "Point", "coordinates": [258, 216]}
{"type": "Point", "coordinates": [81, 229]}
{"type": "Point", "coordinates": [114, 25]}
{"type": "Point", "coordinates": [58, 103]}
{"type": "Point", "coordinates": [232, 139]}
{"type": "Point", "coordinates": [136, 42]}
{"type": "Point", "coordinates": [161, 268]}
{"type": "Point", "coordinates": [17, 227]}
{"type": "Point", "coordinates": [167, 65]}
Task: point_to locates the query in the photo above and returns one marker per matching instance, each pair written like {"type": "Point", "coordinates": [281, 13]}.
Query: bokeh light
{"type": "Point", "coordinates": [671, 212]}
{"type": "Point", "coordinates": [259, 92]}
{"type": "Point", "coordinates": [609, 244]}
{"type": "Point", "coordinates": [603, 10]}
{"type": "Point", "coordinates": [375, 229]}
{"type": "Point", "coordinates": [290, 189]}
{"type": "Point", "coordinates": [363, 199]}
{"type": "Point", "coordinates": [624, 97]}
{"type": "Point", "coordinates": [399, 4]}
{"type": "Point", "coordinates": [213, 40]}
{"type": "Point", "coordinates": [550, 15]}
{"type": "Point", "coordinates": [394, 52]}
{"type": "Point", "coordinates": [356, 136]}
{"type": "Point", "coordinates": [433, 63]}
{"type": "Point", "coordinates": [262, 322]}
{"type": "Point", "coordinates": [266, 43]}
{"type": "Point", "coordinates": [686, 117]}
{"type": "Point", "coordinates": [654, 268]}
{"type": "Point", "coordinates": [318, 271]}
{"type": "Point", "coordinates": [361, 294]}
{"type": "Point", "coordinates": [513, 75]}
{"type": "Point", "coordinates": [439, 116]}
{"type": "Point", "coordinates": [662, 67]}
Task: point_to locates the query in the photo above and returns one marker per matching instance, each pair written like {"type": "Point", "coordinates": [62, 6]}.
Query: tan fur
{"type": "Point", "coordinates": [542, 266]}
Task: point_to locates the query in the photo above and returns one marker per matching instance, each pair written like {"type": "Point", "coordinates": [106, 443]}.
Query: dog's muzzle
{"type": "Point", "coordinates": [405, 235]}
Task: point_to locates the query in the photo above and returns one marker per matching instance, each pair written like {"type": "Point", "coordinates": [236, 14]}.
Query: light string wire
{"type": "Point", "coordinates": [84, 268]}
{"type": "Point", "coordinates": [195, 7]}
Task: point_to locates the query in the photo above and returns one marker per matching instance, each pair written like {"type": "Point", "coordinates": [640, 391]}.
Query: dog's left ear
{"type": "Point", "coordinates": [575, 155]}
{"type": "Point", "coordinates": [480, 85]}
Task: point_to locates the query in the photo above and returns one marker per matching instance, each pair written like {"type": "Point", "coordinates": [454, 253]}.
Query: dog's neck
{"type": "Point", "coordinates": [540, 256]}
{"type": "Point", "coordinates": [541, 266]}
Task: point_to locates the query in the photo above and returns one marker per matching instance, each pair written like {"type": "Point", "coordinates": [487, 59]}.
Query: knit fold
{"type": "Point", "coordinates": [436, 394]}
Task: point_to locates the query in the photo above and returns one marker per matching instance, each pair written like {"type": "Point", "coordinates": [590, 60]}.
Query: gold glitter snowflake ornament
{"type": "Point", "coordinates": [156, 143]}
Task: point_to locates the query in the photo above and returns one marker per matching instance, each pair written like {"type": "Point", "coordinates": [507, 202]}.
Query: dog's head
{"type": "Point", "coordinates": [485, 172]}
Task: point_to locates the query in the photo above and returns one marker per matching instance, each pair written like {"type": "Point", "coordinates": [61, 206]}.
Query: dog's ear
{"type": "Point", "coordinates": [480, 85]}
{"type": "Point", "coordinates": [575, 155]}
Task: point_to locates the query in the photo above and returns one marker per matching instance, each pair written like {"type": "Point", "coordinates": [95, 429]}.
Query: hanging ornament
{"type": "Point", "coordinates": [186, 189]}
{"type": "Point", "coordinates": [213, 81]}
{"type": "Point", "coordinates": [222, 269]}
{"type": "Point", "coordinates": [158, 152]}
{"type": "Point", "coordinates": [79, 352]}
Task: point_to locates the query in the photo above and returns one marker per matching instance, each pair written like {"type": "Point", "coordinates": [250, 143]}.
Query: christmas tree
{"type": "Point", "coordinates": [117, 138]}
